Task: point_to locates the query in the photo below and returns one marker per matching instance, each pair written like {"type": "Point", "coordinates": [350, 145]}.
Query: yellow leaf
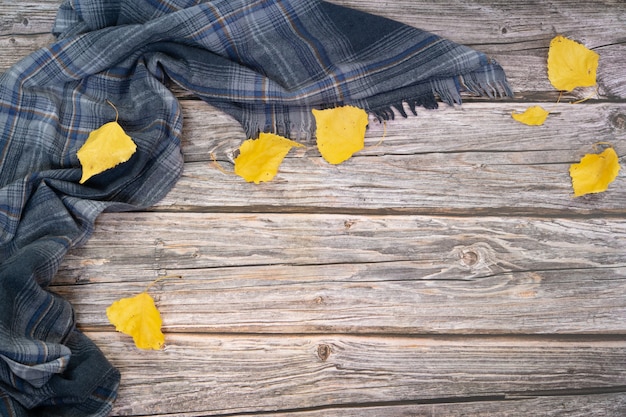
{"type": "Point", "coordinates": [138, 317]}
{"type": "Point", "coordinates": [260, 158]}
{"type": "Point", "coordinates": [533, 116]}
{"type": "Point", "coordinates": [105, 148]}
{"type": "Point", "coordinates": [340, 132]}
{"type": "Point", "coordinates": [571, 65]}
{"type": "Point", "coordinates": [595, 172]}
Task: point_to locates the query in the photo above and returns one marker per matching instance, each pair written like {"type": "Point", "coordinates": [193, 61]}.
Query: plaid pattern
{"type": "Point", "coordinates": [265, 62]}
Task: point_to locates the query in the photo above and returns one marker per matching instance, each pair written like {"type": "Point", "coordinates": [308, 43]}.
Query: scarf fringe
{"type": "Point", "coordinates": [300, 124]}
{"type": "Point", "coordinates": [489, 82]}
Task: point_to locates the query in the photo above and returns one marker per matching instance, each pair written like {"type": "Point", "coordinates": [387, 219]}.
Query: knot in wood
{"type": "Point", "coordinates": [476, 257]}
{"type": "Point", "coordinates": [469, 258]}
{"type": "Point", "coordinates": [323, 351]}
{"type": "Point", "coordinates": [618, 120]}
{"type": "Point", "coordinates": [348, 224]}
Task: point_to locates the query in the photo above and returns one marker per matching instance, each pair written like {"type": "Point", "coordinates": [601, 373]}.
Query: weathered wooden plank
{"type": "Point", "coordinates": [473, 157]}
{"type": "Point", "coordinates": [366, 274]}
{"type": "Point", "coordinates": [564, 406]}
{"type": "Point", "coordinates": [611, 80]}
{"type": "Point", "coordinates": [570, 131]}
{"type": "Point", "coordinates": [158, 242]}
{"type": "Point", "coordinates": [553, 406]}
{"type": "Point", "coordinates": [371, 299]}
{"type": "Point", "coordinates": [382, 275]}
{"type": "Point", "coordinates": [27, 17]}
{"type": "Point", "coordinates": [212, 375]}
{"type": "Point", "coordinates": [516, 34]}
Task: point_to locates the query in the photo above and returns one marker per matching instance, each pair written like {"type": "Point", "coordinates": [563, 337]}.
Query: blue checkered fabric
{"type": "Point", "coordinates": [265, 62]}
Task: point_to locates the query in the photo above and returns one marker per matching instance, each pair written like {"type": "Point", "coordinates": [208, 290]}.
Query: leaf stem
{"type": "Point", "coordinates": [582, 100]}
{"type": "Point", "coordinates": [382, 139]}
{"type": "Point", "coordinates": [218, 166]}
{"type": "Point", "coordinates": [114, 108]}
{"type": "Point", "coordinates": [596, 146]}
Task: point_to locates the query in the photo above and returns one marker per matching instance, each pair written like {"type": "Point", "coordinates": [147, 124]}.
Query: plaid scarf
{"type": "Point", "coordinates": [265, 62]}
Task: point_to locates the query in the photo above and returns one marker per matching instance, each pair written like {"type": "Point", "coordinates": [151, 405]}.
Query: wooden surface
{"type": "Point", "coordinates": [445, 271]}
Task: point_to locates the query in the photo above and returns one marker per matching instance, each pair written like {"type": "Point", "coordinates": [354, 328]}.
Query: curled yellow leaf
{"type": "Point", "coordinates": [138, 317]}
{"type": "Point", "coordinates": [105, 148]}
{"type": "Point", "coordinates": [595, 172]}
{"type": "Point", "coordinates": [340, 132]}
{"type": "Point", "coordinates": [533, 116]}
{"type": "Point", "coordinates": [259, 159]}
{"type": "Point", "coordinates": [571, 65]}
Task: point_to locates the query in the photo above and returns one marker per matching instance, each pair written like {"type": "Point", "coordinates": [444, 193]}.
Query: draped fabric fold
{"type": "Point", "coordinates": [267, 63]}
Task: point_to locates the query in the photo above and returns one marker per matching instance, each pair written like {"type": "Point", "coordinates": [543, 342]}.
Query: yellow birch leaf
{"type": "Point", "coordinates": [340, 132]}
{"type": "Point", "coordinates": [138, 317]}
{"type": "Point", "coordinates": [105, 148]}
{"type": "Point", "coordinates": [533, 116]}
{"type": "Point", "coordinates": [260, 158]}
{"type": "Point", "coordinates": [571, 64]}
{"type": "Point", "coordinates": [595, 172]}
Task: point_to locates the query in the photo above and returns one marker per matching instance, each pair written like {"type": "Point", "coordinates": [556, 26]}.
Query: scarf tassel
{"type": "Point", "coordinates": [490, 82]}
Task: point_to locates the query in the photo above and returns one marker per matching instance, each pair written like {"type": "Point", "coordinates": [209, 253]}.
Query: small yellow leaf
{"type": "Point", "coordinates": [340, 132]}
{"type": "Point", "coordinates": [571, 65]}
{"type": "Point", "coordinates": [138, 317]}
{"type": "Point", "coordinates": [105, 148]}
{"type": "Point", "coordinates": [260, 158]}
{"type": "Point", "coordinates": [533, 116]}
{"type": "Point", "coordinates": [595, 172]}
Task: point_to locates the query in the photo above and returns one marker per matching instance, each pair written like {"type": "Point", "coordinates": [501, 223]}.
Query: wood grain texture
{"type": "Point", "coordinates": [366, 274]}
{"type": "Point", "coordinates": [477, 126]}
{"type": "Point", "coordinates": [444, 270]}
{"type": "Point", "coordinates": [230, 375]}
{"type": "Point", "coordinates": [371, 299]}
{"type": "Point", "coordinates": [27, 17]}
{"type": "Point", "coordinates": [606, 405]}
{"type": "Point", "coordinates": [452, 159]}
{"type": "Point", "coordinates": [168, 241]}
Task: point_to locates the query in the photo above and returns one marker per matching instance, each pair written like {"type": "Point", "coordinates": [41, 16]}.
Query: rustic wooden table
{"type": "Point", "coordinates": [445, 271]}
